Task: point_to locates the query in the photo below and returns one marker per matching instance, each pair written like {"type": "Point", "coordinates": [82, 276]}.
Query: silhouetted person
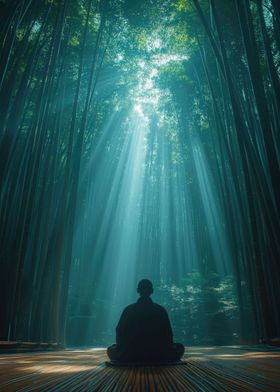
{"type": "Point", "coordinates": [144, 332]}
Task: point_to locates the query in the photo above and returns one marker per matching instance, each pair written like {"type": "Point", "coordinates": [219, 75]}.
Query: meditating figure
{"type": "Point", "coordinates": [144, 333]}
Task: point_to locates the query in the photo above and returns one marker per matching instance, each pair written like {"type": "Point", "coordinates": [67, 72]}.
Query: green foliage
{"type": "Point", "coordinates": [74, 41]}
{"type": "Point", "coordinates": [183, 6]}
{"type": "Point", "coordinates": [203, 308]}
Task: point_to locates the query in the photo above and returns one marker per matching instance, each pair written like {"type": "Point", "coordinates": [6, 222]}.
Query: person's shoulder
{"type": "Point", "coordinates": [129, 307]}
{"type": "Point", "coordinates": [159, 307]}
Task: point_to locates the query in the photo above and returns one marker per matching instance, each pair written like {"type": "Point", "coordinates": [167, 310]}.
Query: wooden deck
{"type": "Point", "coordinates": [205, 369]}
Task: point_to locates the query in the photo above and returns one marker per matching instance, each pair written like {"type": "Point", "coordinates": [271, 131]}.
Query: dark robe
{"type": "Point", "coordinates": [144, 333]}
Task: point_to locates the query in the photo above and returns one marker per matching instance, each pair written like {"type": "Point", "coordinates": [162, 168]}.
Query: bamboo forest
{"type": "Point", "coordinates": [140, 139]}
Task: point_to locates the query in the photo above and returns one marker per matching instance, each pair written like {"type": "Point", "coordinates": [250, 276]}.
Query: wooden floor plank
{"type": "Point", "coordinates": [208, 369]}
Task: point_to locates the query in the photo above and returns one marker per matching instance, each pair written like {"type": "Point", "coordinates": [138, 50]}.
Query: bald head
{"type": "Point", "coordinates": [145, 288]}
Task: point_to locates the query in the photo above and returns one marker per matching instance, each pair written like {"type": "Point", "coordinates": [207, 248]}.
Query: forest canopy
{"type": "Point", "coordinates": [139, 139]}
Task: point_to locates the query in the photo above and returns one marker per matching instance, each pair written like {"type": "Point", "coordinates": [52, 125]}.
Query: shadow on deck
{"type": "Point", "coordinates": [206, 369]}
